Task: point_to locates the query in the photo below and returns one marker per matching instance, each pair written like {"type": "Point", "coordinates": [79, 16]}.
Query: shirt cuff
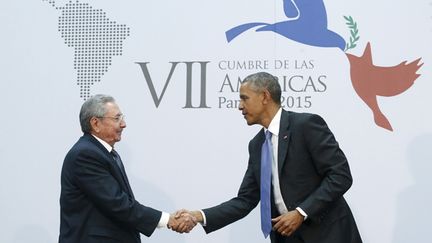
{"type": "Point", "coordinates": [204, 223]}
{"type": "Point", "coordinates": [163, 222]}
{"type": "Point", "coordinates": [302, 212]}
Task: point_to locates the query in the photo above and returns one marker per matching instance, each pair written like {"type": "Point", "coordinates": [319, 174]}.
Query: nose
{"type": "Point", "coordinates": [122, 123]}
{"type": "Point", "coordinates": [241, 106]}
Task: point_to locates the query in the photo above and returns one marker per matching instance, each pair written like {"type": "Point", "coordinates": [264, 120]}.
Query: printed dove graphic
{"type": "Point", "coordinates": [370, 81]}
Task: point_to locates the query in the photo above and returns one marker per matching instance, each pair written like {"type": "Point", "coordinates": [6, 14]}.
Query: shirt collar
{"type": "Point", "coordinates": [105, 144]}
{"type": "Point", "coordinates": [275, 123]}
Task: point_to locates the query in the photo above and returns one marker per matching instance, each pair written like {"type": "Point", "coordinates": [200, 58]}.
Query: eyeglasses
{"type": "Point", "coordinates": [119, 118]}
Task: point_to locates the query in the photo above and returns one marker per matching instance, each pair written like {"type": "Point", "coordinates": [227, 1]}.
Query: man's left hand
{"type": "Point", "coordinates": [288, 223]}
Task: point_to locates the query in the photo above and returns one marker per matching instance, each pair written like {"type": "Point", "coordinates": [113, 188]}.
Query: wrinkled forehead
{"type": "Point", "coordinates": [111, 108]}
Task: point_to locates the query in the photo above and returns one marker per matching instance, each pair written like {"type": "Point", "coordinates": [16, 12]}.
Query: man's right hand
{"type": "Point", "coordinates": [182, 221]}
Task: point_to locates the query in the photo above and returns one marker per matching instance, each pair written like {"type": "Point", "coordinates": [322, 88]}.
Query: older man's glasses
{"type": "Point", "coordinates": [119, 118]}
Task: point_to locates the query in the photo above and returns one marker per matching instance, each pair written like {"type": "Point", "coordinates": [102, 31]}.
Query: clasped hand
{"type": "Point", "coordinates": [182, 221]}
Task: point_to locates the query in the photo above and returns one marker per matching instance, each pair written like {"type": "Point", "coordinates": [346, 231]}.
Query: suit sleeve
{"type": "Point", "coordinates": [93, 176]}
{"type": "Point", "coordinates": [329, 162]}
{"type": "Point", "coordinates": [238, 207]}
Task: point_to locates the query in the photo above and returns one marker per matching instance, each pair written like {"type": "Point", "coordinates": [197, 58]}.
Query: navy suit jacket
{"type": "Point", "coordinates": [313, 175]}
{"type": "Point", "coordinates": [96, 202]}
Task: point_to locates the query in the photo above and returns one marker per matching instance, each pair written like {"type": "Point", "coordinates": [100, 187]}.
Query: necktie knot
{"type": "Point", "coordinates": [268, 135]}
{"type": "Point", "coordinates": [115, 154]}
{"type": "Point", "coordinates": [117, 159]}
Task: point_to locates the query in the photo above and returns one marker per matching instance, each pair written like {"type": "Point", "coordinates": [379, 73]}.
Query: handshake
{"type": "Point", "coordinates": [183, 221]}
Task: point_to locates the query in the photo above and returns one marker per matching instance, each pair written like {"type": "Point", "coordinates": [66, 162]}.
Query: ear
{"type": "Point", "coordinates": [266, 97]}
{"type": "Point", "coordinates": [95, 124]}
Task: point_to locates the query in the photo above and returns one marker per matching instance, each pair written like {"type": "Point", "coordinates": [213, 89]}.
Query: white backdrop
{"type": "Point", "coordinates": [192, 158]}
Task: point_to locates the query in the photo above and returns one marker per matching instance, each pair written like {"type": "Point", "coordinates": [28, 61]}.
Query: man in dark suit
{"type": "Point", "coordinates": [96, 202]}
{"type": "Point", "coordinates": [308, 176]}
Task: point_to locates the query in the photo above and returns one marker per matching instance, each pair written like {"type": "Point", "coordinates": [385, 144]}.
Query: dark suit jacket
{"type": "Point", "coordinates": [96, 203]}
{"type": "Point", "coordinates": [313, 175]}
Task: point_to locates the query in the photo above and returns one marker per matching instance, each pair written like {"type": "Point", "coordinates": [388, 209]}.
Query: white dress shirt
{"type": "Point", "coordinates": [274, 130]}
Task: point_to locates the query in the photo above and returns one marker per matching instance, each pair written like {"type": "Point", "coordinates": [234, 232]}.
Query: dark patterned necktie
{"type": "Point", "coordinates": [119, 162]}
{"type": "Point", "coordinates": [266, 163]}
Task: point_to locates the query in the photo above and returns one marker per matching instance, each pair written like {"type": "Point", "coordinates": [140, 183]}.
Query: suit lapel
{"type": "Point", "coordinates": [284, 139]}
{"type": "Point", "coordinates": [121, 175]}
{"type": "Point", "coordinates": [113, 164]}
{"type": "Point", "coordinates": [256, 152]}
